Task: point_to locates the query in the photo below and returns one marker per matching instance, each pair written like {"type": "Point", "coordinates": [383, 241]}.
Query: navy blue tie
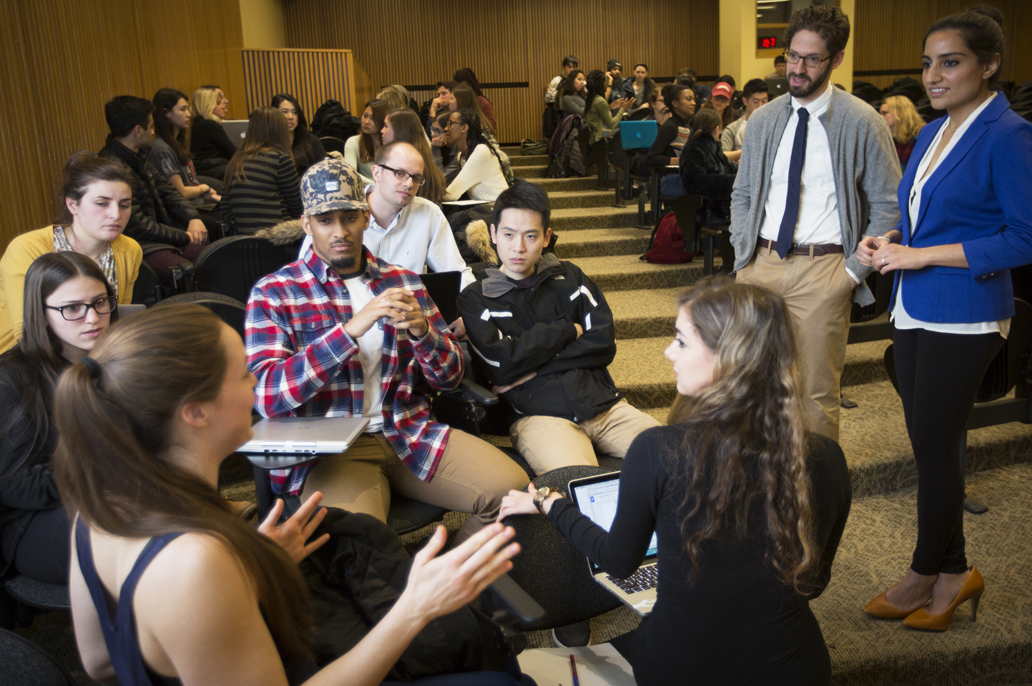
{"type": "Point", "coordinates": [795, 178]}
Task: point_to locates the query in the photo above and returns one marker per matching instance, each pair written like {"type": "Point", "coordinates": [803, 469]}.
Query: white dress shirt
{"type": "Point", "coordinates": [818, 222]}
{"type": "Point", "coordinates": [900, 318]}
{"type": "Point", "coordinates": [417, 238]}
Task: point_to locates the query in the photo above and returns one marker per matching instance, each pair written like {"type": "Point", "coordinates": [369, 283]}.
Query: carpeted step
{"type": "Point", "coordinates": [627, 272]}
{"type": "Point", "coordinates": [644, 375]}
{"type": "Point", "coordinates": [646, 313]}
{"type": "Point", "coordinates": [560, 200]}
{"type": "Point", "coordinates": [600, 243]}
{"type": "Point", "coordinates": [527, 160]}
{"type": "Point", "coordinates": [532, 171]}
{"type": "Point", "coordinates": [594, 218]}
{"type": "Point", "coordinates": [586, 183]}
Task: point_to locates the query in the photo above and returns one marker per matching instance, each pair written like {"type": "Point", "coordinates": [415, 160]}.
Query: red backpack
{"type": "Point", "coordinates": [666, 246]}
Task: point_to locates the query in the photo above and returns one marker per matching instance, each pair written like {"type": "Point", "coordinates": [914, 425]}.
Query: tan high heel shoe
{"type": "Point", "coordinates": [881, 608]}
{"type": "Point", "coordinates": [972, 590]}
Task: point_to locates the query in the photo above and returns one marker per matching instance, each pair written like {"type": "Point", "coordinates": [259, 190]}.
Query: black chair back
{"type": "Point", "coordinates": [148, 289]}
{"type": "Point", "coordinates": [229, 310]}
{"type": "Point", "coordinates": [443, 289]}
{"type": "Point", "coordinates": [332, 144]}
{"type": "Point", "coordinates": [232, 266]}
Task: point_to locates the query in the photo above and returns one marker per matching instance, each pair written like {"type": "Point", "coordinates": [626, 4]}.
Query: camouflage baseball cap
{"type": "Point", "coordinates": [331, 185]}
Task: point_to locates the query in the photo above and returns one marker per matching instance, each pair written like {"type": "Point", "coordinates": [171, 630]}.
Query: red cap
{"type": "Point", "coordinates": [724, 89]}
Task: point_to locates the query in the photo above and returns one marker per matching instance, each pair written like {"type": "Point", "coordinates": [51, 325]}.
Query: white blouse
{"type": "Point", "coordinates": [899, 317]}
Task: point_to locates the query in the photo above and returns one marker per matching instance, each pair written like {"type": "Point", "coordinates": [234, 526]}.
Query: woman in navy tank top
{"type": "Point", "coordinates": [167, 584]}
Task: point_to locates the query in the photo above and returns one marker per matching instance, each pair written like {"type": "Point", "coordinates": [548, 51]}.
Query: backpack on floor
{"type": "Point", "coordinates": [666, 246]}
{"type": "Point", "coordinates": [532, 147]}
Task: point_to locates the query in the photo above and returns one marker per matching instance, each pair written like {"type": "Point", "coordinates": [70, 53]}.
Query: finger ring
{"type": "Point", "coordinates": [883, 260]}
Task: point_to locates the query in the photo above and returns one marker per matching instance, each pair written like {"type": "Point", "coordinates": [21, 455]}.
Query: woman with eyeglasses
{"type": "Point", "coordinates": [483, 173]}
{"type": "Point", "coordinates": [403, 125]}
{"type": "Point", "coordinates": [68, 304]}
{"type": "Point", "coordinates": [98, 196]}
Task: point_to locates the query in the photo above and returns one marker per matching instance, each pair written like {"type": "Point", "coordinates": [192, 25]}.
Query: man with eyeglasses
{"type": "Point", "coordinates": [404, 229]}
{"type": "Point", "coordinates": [817, 173]}
{"type": "Point", "coordinates": [343, 333]}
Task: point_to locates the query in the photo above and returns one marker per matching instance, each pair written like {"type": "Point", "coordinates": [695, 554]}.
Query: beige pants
{"type": "Point", "coordinates": [473, 476]}
{"type": "Point", "coordinates": [818, 292]}
{"type": "Point", "coordinates": [547, 443]}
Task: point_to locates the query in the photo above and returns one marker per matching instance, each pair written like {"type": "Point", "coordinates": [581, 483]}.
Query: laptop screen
{"type": "Point", "coordinates": [596, 498]}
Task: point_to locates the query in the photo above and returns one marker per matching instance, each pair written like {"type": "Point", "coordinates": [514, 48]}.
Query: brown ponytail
{"type": "Point", "coordinates": [115, 430]}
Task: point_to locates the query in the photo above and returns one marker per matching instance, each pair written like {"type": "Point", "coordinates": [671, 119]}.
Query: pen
{"type": "Point", "coordinates": [573, 669]}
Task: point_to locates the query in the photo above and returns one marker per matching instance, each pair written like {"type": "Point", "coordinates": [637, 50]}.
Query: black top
{"type": "Point", "coordinates": [210, 147]}
{"type": "Point", "coordinates": [706, 172]}
{"type": "Point", "coordinates": [738, 623]}
{"type": "Point", "coordinates": [27, 442]}
{"type": "Point", "coordinates": [670, 138]}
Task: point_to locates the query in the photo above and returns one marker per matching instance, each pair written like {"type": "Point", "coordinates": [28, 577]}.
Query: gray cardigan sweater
{"type": "Point", "coordinates": [866, 168]}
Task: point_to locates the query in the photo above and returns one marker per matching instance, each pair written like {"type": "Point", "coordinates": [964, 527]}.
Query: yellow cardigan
{"type": "Point", "coordinates": [21, 253]}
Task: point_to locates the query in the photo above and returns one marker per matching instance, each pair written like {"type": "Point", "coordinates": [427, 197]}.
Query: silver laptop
{"type": "Point", "coordinates": [305, 435]}
{"type": "Point", "coordinates": [595, 497]}
{"type": "Point", "coordinates": [236, 129]}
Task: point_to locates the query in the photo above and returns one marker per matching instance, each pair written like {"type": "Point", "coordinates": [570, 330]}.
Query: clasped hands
{"type": "Point", "coordinates": [885, 256]}
{"type": "Point", "coordinates": [396, 305]}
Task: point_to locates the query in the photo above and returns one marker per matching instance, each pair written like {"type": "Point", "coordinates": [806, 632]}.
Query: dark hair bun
{"type": "Point", "coordinates": [79, 158]}
{"type": "Point", "coordinates": [988, 11]}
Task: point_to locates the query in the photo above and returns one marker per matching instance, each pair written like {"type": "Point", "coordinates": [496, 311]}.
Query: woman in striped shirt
{"type": "Point", "coordinates": [262, 187]}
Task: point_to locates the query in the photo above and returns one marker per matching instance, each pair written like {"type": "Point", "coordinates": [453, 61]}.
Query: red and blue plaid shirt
{"type": "Point", "coordinates": [307, 365]}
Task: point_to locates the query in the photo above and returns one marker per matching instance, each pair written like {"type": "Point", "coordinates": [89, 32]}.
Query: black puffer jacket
{"type": "Point", "coordinates": [515, 329]}
{"type": "Point", "coordinates": [160, 212]}
{"type": "Point", "coordinates": [706, 172]}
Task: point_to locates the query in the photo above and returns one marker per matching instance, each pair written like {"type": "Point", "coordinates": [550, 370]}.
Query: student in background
{"type": "Point", "coordinates": [305, 148]}
{"type": "Point", "coordinates": [396, 97]}
{"type": "Point", "coordinates": [755, 96]}
{"type": "Point", "coordinates": [262, 188]}
{"type": "Point", "coordinates": [439, 104]}
{"type": "Point", "coordinates": [569, 99]}
{"type": "Point", "coordinates": [666, 149]}
{"type": "Point", "coordinates": [446, 157]}
{"type": "Point", "coordinates": [68, 304]}
{"type": "Point", "coordinates": [706, 172]}
{"type": "Point", "coordinates": [720, 102]}
{"type": "Point", "coordinates": [97, 198]}
{"type": "Point", "coordinates": [403, 126]}
{"type": "Point", "coordinates": [639, 87]}
{"type": "Point", "coordinates": [209, 144]}
{"type": "Point", "coordinates": [359, 150]}
{"type": "Point", "coordinates": [483, 173]}
{"type": "Point", "coordinates": [160, 214]}
{"type": "Point", "coordinates": [599, 115]}
{"type": "Point", "coordinates": [780, 65]}
{"type": "Point", "coordinates": [614, 79]}
{"type": "Point", "coordinates": [904, 123]}
{"type": "Point", "coordinates": [466, 76]}
{"type": "Point", "coordinates": [570, 62]}
{"type": "Point", "coordinates": [169, 151]}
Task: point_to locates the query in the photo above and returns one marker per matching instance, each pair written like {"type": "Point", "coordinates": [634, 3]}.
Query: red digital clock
{"type": "Point", "coordinates": [768, 42]}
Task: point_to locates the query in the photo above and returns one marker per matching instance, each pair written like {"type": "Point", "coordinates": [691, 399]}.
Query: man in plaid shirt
{"type": "Point", "coordinates": [320, 327]}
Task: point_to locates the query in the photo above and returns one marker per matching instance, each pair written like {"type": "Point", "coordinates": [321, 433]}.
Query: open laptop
{"type": "Point", "coordinates": [595, 497]}
{"type": "Point", "coordinates": [638, 135]}
{"type": "Point", "coordinates": [305, 435]}
{"type": "Point", "coordinates": [776, 87]}
{"type": "Point", "coordinates": [236, 129]}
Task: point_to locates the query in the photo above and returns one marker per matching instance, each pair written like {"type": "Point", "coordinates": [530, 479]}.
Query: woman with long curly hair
{"type": "Point", "coordinates": [904, 122]}
{"type": "Point", "coordinates": [748, 506]}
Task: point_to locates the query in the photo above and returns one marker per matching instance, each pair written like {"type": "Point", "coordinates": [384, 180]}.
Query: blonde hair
{"type": "Point", "coordinates": [393, 96]}
{"type": "Point", "coordinates": [746, 445]}
{"type": "Point", "coordinates": [908, 122]}
{"type": "Point", "coordinates": [203, 103]}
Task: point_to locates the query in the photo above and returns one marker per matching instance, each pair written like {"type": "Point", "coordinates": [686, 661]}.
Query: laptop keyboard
{"type": "Point", "coordinates": [642, 580]}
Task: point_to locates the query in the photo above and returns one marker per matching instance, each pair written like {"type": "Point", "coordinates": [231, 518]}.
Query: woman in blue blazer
{"type": "Point", "coordinates": [966, 220]}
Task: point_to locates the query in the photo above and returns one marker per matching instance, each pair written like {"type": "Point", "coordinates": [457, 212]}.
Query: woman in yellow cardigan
{"type": "Point", "coordinates": [98, 196]}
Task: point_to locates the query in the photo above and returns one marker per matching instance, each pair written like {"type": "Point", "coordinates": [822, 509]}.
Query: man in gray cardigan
{"type": "Point", "coordinates": [818, 172]}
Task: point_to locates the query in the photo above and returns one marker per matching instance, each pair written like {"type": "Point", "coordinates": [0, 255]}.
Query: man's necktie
{"type": "Point", "coordinates": [795, 179]}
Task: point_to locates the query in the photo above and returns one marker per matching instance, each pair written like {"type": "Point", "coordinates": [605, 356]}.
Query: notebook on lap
{"type": "Point", "coordinates": [305, 435]}
{"type": "Point", "coordinates": [638, 135]}
{"type": "Point", "coordinates": [595, 497]}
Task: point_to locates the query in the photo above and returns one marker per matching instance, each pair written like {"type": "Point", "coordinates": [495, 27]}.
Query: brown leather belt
{"type": "Point", "coordinates": [810, 250]}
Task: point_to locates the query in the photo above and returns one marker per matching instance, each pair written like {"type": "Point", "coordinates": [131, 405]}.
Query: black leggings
{"type": "Point", "coordinates": [44, 551]}
{"type": "Point", "coordinates": [938, 376]}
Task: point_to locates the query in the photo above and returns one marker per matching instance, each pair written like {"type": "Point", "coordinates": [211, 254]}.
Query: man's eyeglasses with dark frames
{"type": "Point", "coordinates": [812, 61]}
{"type": "Point", "coordinates": [77, 311]}
{"type": "Point", "coordinates": [402, 175]}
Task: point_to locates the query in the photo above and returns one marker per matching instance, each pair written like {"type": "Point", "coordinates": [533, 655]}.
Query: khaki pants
{"type": "Point", "coordinates": [818, 292]}
{"type": "Point", "coordinates": [472, 476]}
{"type": "Point", "coordinates": [547, 443]}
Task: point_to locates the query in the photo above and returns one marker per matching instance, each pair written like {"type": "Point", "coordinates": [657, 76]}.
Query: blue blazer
{"type": "Point", "coordinates": [980, 196]}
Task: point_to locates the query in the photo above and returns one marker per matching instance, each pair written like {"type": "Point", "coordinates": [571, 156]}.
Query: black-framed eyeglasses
{"type": "Point", "coordinates": [812, 61]}
{"type": "Point", "coordinates": [403, 176]}
{"type": "Point", "coordinates": [448, 124]}
{"type": "Point", "coordinates": [77, 311]}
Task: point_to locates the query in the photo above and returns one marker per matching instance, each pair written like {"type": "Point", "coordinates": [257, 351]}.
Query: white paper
{"type": "Point", "coordinates": [597, 665]}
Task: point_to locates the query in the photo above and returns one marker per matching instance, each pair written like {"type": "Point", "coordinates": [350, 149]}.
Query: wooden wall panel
{"type": "Point", "coordinates": [311, 76]}
{"type": "Point", "coordinates": [889, 35]}
{"type": "Point", "coordinates": [63, 59]}
{"type": "Point", "coordinates": [412, 42]}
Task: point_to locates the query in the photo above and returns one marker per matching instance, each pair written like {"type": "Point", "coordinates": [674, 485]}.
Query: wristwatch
{"type": "Point", "coordinates": [540, 496]}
